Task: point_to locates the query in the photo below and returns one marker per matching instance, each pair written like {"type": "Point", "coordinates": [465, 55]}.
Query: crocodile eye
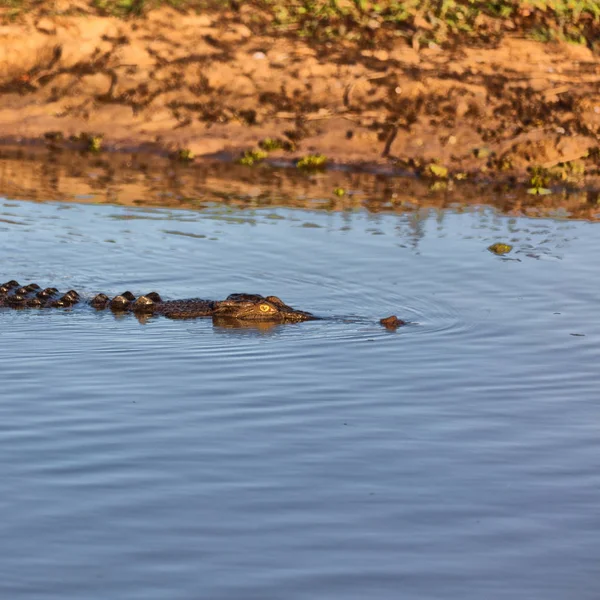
{"type": "Point", "coordinates": [266, 308]}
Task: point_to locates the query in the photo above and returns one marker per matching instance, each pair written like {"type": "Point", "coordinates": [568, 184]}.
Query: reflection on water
{"type": "Point", "coordinates": [457, 457]}
{"type": "Point", "coordinates": [146, 180]}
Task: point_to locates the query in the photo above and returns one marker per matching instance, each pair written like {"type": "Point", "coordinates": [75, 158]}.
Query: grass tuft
{"type": "Point", "coordinates": [312, 162]}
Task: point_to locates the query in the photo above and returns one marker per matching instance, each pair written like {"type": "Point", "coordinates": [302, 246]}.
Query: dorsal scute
{"type": "Point", "coordinates": [241, 297]}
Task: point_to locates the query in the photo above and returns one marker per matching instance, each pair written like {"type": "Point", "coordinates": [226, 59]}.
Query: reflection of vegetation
{"type": "Point", "coordinates": [439, 186]}
{"type": "Point", "coordinates": [539, 182]}
{"type": "Point", "coordinates": [130, 180]}
{"type": "Point", "coordinates": [92, 141]}
{"type": "Point", "coordinates": [566, 172]}
{"type": "Point", "coordinates": [251, 157]}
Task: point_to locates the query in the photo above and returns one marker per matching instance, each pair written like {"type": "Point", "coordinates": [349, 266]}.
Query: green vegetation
{"type": "Point", "coordinates": [9, 9]}
{"type": "Point", "coordinates": [126, 8]}
{"type": "Point", "coordinates": [94, 143]}
{"type": "Point", "coordinates": [272, 144]}
{"type": "Point", "coordinates": [371, 22]}
{"type": "Point", "coordinates": [134, 8]}
{"type": "Point", "coordinates": [438, 171]}
{"type": "Point", "coordinates": [251, 157]}
{"type": "Point", "coordinates": [312, 162]}
{"type": "Point", "coordinates": [185, 155]}
{"type": "Point", "coordinates": [437, 21]}
{"type": "Point", "coordinates": [500, 248]}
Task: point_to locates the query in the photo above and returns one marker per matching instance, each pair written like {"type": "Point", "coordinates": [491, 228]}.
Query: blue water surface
{"type": "Point", "coordinates": [456, 458]}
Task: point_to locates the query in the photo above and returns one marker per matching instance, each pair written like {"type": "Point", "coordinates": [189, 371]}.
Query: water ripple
{"type": "Point", "coordinates": [456, 457]}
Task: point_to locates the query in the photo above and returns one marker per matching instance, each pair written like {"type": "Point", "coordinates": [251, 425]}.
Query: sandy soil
{"type": "Point", "coordinates": [172, 81]}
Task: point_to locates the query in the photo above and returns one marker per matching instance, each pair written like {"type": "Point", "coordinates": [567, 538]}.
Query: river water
{"type": "Point", "coordinates": [458, 457]}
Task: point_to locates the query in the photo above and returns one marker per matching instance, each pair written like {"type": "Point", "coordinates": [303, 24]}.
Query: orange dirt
{"type": "Point", "coordinates": [172, 80]}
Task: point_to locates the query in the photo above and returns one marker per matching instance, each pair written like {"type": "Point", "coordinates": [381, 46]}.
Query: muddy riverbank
{"type": "Point", "coordinates": [515, 110]}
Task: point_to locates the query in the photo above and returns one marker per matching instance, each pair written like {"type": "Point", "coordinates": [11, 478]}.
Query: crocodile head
{"type": "Point", "coordinates": [252, 307]}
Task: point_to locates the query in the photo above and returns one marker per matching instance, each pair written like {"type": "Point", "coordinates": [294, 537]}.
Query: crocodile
{"type": "Point", "coordinates": [243, 308]}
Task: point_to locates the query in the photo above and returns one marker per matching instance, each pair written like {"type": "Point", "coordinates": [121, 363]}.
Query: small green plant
{"type": "Point", "coordinates": [438, 171]}
{"type": "Point", "coordinates": [251, 157]}
{"type": "Point", "coordinates": [94, 143]}
{"type": "Point", "coordinates": [185, 155]}
{"type": "Point", "coordinates": [312, 162]}
{"type": "Point", "coordinates": [500, 248]}
{"type": "Point", "coordinates": [271, 144]}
